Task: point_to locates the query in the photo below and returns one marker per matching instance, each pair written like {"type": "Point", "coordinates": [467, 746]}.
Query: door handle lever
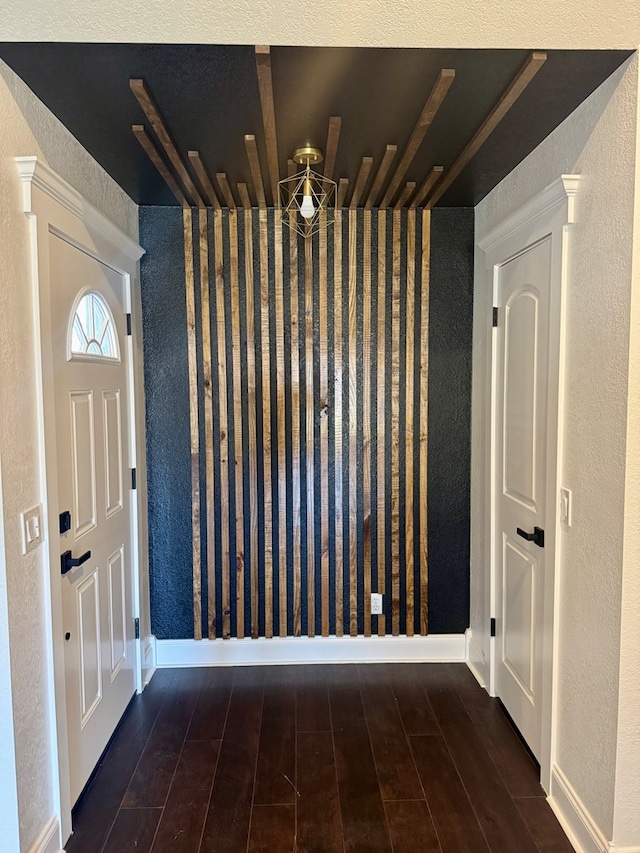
{"type": "Point", "coordinates": [537, 537]}
{"type": "Point", "coordinates": [68, 562]}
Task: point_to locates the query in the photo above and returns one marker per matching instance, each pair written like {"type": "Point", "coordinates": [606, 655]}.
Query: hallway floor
{"type": "Point", "coordinates": [410, 758]}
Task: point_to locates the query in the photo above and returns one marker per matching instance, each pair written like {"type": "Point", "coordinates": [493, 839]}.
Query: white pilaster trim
{"type": "Point", "coordinates": [436, 648]}
{"type": "Point", "coordinates": [49, 839]}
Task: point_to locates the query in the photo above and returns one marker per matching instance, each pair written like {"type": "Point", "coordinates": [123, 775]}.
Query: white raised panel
{"type": "Point", "coordinates": [117, 611]}
{"type": "Point", "coordinates": [88, 608]}
{"type": "Point", "coordinates": [112, 451]}
{"type": "Point", "coordinates": [520, 366]}
{"type": "Point", "coordinates": [83, 461]}
{"type": "Point", "coordinates": [519, 615]}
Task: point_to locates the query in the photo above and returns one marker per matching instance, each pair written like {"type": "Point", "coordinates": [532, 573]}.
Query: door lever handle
{"type": "Point", "coordinates": [537, 537]}
{"type": "Point", "coordinates": [68, 562]}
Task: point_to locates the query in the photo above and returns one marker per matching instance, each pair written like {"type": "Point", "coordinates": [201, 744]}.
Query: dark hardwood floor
{"type": "Point", "coordinates": [409, 758]}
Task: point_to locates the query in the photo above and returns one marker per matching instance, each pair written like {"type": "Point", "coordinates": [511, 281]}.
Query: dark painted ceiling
{"type": "Point", "coordinates": [208, 96]}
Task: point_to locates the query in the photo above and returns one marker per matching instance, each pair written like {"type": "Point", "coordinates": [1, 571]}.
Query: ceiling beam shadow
{"type": "Point", "coordinates": [361, 180]}
{"type": "Point", "coordinates": [429, 112]}
{"type": "Point", "coordinates": [385, 165]}
{"type": "Point", "coordinates": [517, 86]}
{"type": "Point", "coordinates": [265, 85]}
{"type": "Point", "coordinates": [151, 111]}
{"type": "Point", "coordinates": [205, 181]}
{"type": "Point", "coordinates": [154, 155]}
{"type": "Point", "coordinates": [223, 183]}
{"type": "Point", "coordinates": [431, 180]}
{"type": "Point", "coordinates": [256, 172]}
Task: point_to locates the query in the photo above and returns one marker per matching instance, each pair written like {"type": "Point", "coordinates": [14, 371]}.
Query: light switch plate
{"type": "Point", "coordinates": [565, 506]}
{"type": "Point", "coordinates": [32, 533]}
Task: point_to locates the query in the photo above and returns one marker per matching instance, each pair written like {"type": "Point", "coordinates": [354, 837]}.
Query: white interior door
{"type": "Point", "coordinates": [523, 291]}
{"type": "Point", "coordinates": [92, 410]}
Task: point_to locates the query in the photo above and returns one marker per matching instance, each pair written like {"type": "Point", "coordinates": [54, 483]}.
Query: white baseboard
{"type": "Point", "coordinates": [149, 658]}
{"type": "Point", "coordinates": [49, 839]}
{"type": "Point", "coordinates": [436, 648]}
{"type": "Point", "coordinates": [580, 827]}
{"type": "Point", "coordinates": [475, 658]}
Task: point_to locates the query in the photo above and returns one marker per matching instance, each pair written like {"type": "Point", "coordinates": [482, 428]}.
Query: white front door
{"type": "Point", "coordinates": [523, 291]}
{"type": "Point", "coordinates": [92, 413]}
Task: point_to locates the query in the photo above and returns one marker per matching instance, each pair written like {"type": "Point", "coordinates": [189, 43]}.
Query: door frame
{"type": "Point", "coordinates": [54, 207]}
{"type": "Point", "coordinates": [549, 214]}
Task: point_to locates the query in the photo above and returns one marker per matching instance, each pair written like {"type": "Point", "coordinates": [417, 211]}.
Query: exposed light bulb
{"type": "Point", "coordinates": [307, 208]}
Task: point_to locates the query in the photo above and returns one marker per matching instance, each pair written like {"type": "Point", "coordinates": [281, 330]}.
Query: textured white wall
{"type": "Point", "coordinates": [384, 23]}
{"type": "Point", "coordinates": [597, 141]}
{"type": "Point", "coordinates": [27, 128]}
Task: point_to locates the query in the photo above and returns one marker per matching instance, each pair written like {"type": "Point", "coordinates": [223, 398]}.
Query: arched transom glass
{"type": "Point", "coordinates": [93, 331]}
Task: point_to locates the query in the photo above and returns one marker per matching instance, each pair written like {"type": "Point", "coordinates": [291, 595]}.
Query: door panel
{"type": "Point", "coordinates": [522, 345]}
{"type": "Point", "coordinates": [90, 381]}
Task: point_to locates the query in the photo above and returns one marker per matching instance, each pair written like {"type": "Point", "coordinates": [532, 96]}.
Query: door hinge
{"type": "Point", "coordinates": [495, 316]}
{"type": "Point", "coordinates": [137, 627]}
{"type": "Point", "coordinates": [493, 627]}
{"type": "Point", "coordinates": [134, 479]}
{"type": "Point", "coordinates": [128, 324]}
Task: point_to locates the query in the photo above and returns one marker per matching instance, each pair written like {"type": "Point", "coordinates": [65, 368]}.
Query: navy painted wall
{"type": "Point", "coordinates": [167, 402]}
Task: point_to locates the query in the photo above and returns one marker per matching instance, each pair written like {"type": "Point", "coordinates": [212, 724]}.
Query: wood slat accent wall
{"type": "Point", "coordinates": [310, 391]}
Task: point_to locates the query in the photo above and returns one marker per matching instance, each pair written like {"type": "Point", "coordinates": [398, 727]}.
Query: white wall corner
{"type": "Point", "coordinates": [436, 648]}
{"type": "Point", "coordinates": [475, 658]}
{"type": "Point", "coordinates": [49, 839]}
{"type": "Point", "coordinates": [580, 827]}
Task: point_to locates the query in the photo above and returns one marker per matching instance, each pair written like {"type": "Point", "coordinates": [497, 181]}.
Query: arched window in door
{"type": "Point", "coordinates": [93, 331]}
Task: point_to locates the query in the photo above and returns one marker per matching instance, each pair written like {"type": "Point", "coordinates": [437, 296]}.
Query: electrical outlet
{"type": "Point", "coordinates": [376, 603]}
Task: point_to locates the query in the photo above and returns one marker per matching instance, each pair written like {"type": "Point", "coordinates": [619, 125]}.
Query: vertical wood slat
{"type": "Point", "coordinates": [424, 420]}
{"type": "Point", "coordinates": [308, 311]}
{"type": "Point", "coordinates": [266, 424]}
{"type": "Point", "coordinates": [237, 419]}
{"type": "Point", "coordinates": [251, 419]}
{"type": "Point", "coordinates": [280, 415]}
{"type": "Point", "coordinates": [324, 427]}
{"type": "Point", "coordinates": [205, 312]}
{"type": "Point", "coordinates": [337, 420]}
{"type": "Point", "coordinates": [409, 373]}
{"type": "Point", "coordinates": [380, 424]}
{"type": "Point", "coordinates": [366, 418]}
{"type": "Point", "coordinates": [395, 426]}
{"type": "Point", "coordinates": [353, 427]}
{"type": "Point", "coordinates": [295, 430]}
{"type": "Point", "coordinates": [187, 222]}
{"type": "Point", "coordinates": [225, 567]}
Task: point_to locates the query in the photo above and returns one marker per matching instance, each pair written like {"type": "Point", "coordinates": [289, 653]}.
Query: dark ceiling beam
{"type": "Point", "coordinates": [151, 111]}
{"type": "Point", "coordinates": [256, 171]}
{"type": "Point", "coordinates": [429, 112]}
{"type": "Point", "coordinates": [331, 148]}
{"type": "Point", "coordinates": [154, 155]}
{"type": "Point", "coordinates": [405, 195]}
{"type": "Point", "coordinates": [205, 181]}
{"type": "Point", "coordinates": [361, 180]}
{"type": "Point", "coordinates": [385, 165]}
{"type": "Point", "coordinates": [223, 183]}
{"type": "Point", "coordinates": [265, 85]}
{"type": "Point", "coordinates": [343, 184]}
{"type": "Point", "coordinates": [243, 192]}
{"type": "Point", "coordinates": [517, 86]}
{"type": "Point", "coordinates": [431, 180]}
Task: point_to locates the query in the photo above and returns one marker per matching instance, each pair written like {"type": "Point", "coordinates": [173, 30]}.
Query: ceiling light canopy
{"type": "Point", "coordinates": [306, 197]}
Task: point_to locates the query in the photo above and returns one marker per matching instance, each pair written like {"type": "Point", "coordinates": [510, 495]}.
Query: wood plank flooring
{"type": "Point", "coordinates": [379, 758]}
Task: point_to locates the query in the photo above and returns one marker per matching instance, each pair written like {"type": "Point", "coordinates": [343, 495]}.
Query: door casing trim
{"type": "Point", "coordinates": [53, 206]}
{"type": "Point", "coordinates": [548, 214]}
